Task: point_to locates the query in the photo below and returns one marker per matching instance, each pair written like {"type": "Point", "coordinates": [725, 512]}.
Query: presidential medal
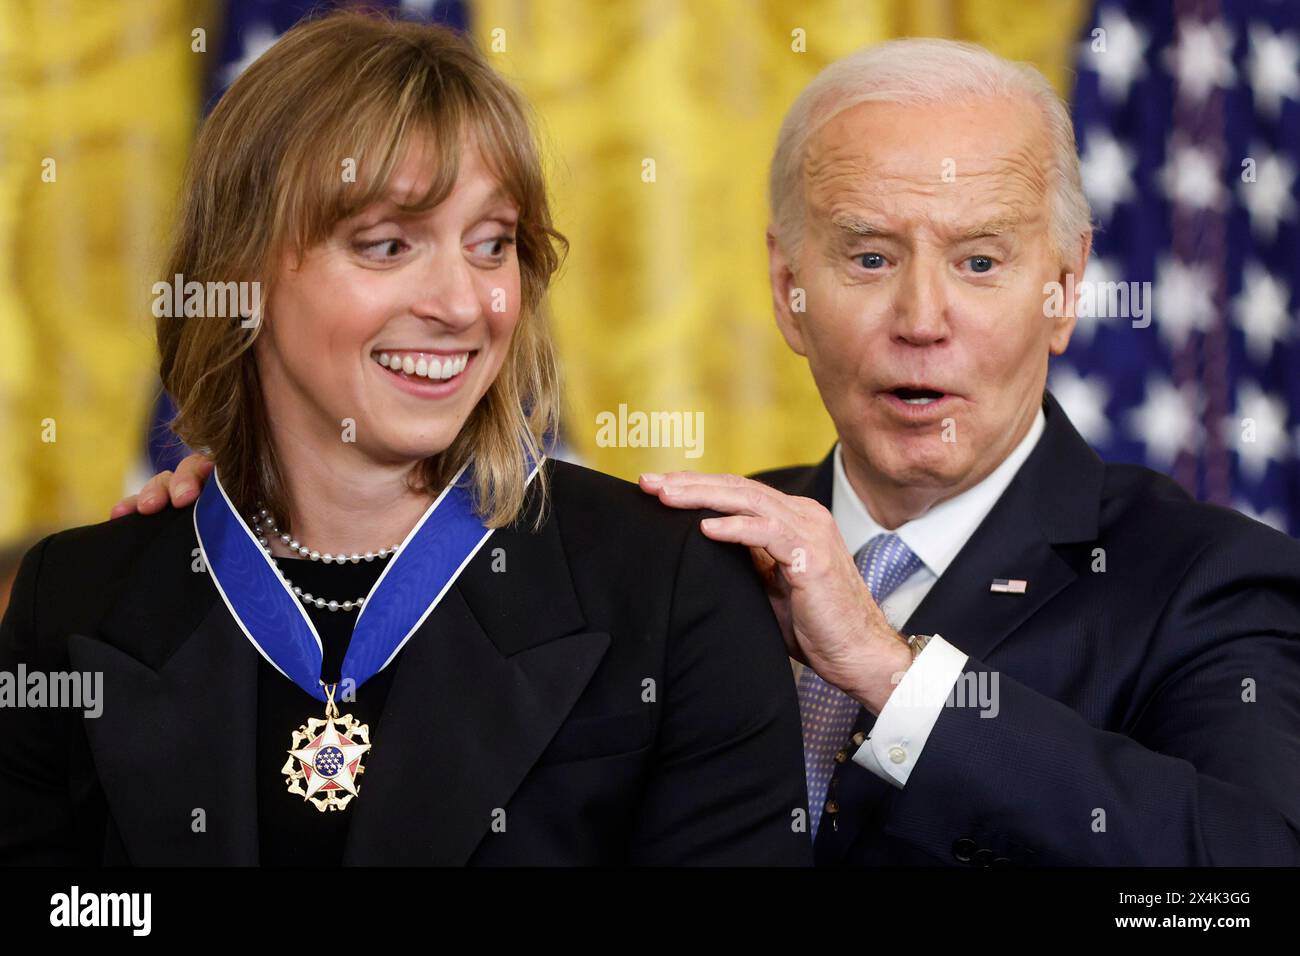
{"type": "Point", "coordinates": [325, 754]}
{"type": "Point", "coordinates": [325, 757]}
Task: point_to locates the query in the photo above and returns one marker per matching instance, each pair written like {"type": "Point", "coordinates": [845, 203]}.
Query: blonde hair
{"type": "Point", "coordinates": [925, 70]}
{"type": "Point", "coordinates": [266, 177]}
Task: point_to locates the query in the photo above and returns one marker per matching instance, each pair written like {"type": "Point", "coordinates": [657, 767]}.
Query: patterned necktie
{"type": "Point", "coordinates": [828, 713]}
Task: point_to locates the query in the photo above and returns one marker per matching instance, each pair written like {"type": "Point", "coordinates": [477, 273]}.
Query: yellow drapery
{"type": "Point", "coordinates": [98, 103]}
{"type": "Point", "coordinates": [664, 305]}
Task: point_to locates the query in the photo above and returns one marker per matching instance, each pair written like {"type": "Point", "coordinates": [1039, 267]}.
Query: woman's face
{"type": "Point", "coordinates": [386, 335]}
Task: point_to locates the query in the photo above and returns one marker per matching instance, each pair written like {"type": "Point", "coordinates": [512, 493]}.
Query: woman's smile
{"type": "Point", "coordinates": [424, 374]}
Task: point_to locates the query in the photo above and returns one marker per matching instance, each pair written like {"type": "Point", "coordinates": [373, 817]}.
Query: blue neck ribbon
{"type": "Point", "coordinates": [425, 566]}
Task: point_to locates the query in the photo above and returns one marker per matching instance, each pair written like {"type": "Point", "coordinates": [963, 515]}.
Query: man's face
{"type": "Point", "coordinates": [926, 247]}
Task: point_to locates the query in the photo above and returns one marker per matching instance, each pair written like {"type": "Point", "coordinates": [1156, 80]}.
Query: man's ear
{"type": "Point", "coordinates": [788, 301]}
{"type": "Point", "coordinates": [1063, 325]}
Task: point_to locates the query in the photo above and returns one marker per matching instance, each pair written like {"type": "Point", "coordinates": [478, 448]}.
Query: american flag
{"type": "Point", "coordinates": [1187, 115]}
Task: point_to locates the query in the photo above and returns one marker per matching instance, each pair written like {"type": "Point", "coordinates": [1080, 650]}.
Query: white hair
{"type": "Point", "coordinates": [925, 70]}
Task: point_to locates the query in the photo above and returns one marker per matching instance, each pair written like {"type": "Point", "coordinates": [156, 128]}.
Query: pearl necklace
{"type": "Point", "coordinates": [264, 527]}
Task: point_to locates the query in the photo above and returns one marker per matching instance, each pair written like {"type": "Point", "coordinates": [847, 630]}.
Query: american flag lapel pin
{"type": "Point", "coordinates": [1008, 586]}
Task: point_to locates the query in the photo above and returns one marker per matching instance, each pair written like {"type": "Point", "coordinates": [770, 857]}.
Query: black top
{"type": "Point", "coordinates": [292, 831]}
{"type": "Point", "coordinates": [602, 685]}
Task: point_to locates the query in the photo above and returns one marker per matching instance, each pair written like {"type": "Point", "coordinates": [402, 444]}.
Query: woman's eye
{"type": "Point", "coordinates": [383, 248]}
{"type": "Point", "coordinates": [494, 248]}
{"type": "Point", "coordinates": [980, 263]}
{"type": "Point", "coordinates": [871, 260]}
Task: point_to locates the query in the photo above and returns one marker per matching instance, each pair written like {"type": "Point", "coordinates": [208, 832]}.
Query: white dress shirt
{"type": "Point", "coordinates": [910, 713]}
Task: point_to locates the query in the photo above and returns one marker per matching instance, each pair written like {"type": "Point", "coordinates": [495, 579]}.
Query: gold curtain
{"type": "Point", "coordinates": [663, 304]}
{"type": "Point", "coordinates": [98, 103]}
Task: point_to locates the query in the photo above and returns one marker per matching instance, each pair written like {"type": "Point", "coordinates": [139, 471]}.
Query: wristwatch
{"type": "Point", "coordinates": [917, 642]}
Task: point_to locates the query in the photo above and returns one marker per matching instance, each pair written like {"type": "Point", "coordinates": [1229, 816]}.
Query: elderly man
{"type": "Point", "coordinates": [1007, 651]}
{"type": "Point", "coordinates": [1110, 672]}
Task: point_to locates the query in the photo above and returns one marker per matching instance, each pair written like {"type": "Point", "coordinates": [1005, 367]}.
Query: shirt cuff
{"type": "Point", "coordinates": [905, 722]}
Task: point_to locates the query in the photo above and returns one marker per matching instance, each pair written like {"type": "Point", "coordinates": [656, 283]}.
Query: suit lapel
{"type": "Point", "coordinates": [175, 746]}
{"type": "Point", "coordinates": [481, 689]}
{"type": "Point", "coordinates": [1007, 544]}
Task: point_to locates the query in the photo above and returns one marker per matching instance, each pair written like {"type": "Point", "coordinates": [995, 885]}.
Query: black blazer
{"type": "Point", "coordinates": [522, 690]}
{"type": "Point", "coordinates": [1123, 734]}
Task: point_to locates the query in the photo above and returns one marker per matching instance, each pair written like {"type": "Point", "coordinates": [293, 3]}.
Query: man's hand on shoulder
{"type": "Point", "coordinates": [827, 615]}
{"type": "Point", "coordinates": [178, 490]}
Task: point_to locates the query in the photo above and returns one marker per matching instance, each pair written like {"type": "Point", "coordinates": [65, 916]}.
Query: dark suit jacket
{"type": "Point", "coordinates": [523, 690]}
{"type": "Point", "coordinates": [1124, 694]}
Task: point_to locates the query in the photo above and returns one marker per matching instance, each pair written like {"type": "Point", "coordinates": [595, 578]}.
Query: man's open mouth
{"type": "Point", "coordinates": [917, 395]}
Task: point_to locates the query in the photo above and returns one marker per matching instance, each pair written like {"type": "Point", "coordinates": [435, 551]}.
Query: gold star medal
{"type": "Point", "coordinates": [325, 757]}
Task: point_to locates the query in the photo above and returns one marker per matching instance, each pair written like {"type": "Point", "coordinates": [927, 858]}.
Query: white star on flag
{"type": "Point", "coordinates": [1122, 61]}
{"type": "Point", "coordinates": [1167, 422]}
{"type": "Point", "coordinates": [1107, 168]}
{"type": "Point", "coordinates": [1201, 59]}
{"type": "Point", "coordinates": [1184, 302]}
{"type": "Point", "coordinates": [1274, 67]}
{"type": "Point", "coordinates": [1268, 198]}
{"type": "Point", "coordinates": [1262, 312]}
{"type": "Point", "coordinates": [1084, 400]}
{"type": "Point", "coordinates": [1258, 430]}
{"type": "Point", "coordinates": [1190, 178]}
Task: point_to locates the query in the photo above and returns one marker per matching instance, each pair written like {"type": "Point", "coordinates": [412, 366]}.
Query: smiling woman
{"type": "Point", "coordinates": [480, 665]}
{"type": "Point", "coordinates": [397, 145]}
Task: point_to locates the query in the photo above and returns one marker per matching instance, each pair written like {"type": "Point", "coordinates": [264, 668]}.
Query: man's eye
{"type": "Point", "coordinates": [871, 260]}
{"type": "Point", "coordinates": [980, 263]}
